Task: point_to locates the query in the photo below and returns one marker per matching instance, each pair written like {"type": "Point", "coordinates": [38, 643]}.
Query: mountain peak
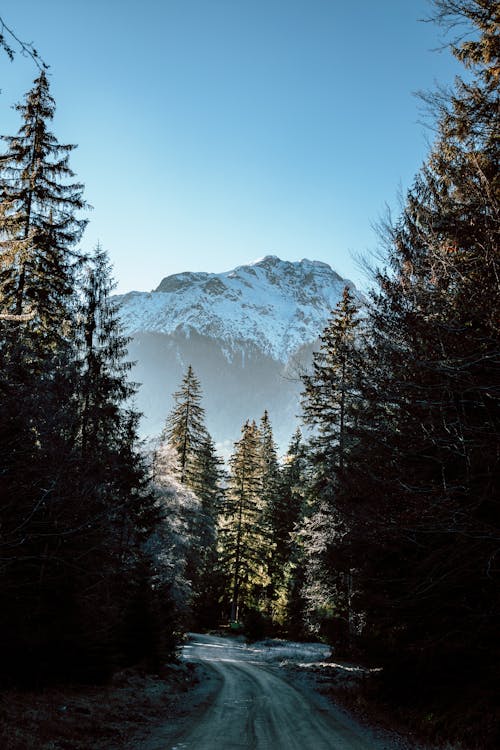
{"type": "Point", "coordinates": [267, 260]}
{"type": "Point", "coordinates": [273, 304]}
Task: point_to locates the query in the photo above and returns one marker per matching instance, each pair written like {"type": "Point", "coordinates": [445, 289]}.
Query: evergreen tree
{"type": "Point", "coordinates": [331, 403]}
{"type": "Point", "coordinates": [244, 539]}
{"type": "Point", "coordinates": [185, 428]}
{"type": "Point", "coordinates": [286, 520]}
{"type": "Point", "coordinates": [207, 580]}
{"type": "Point", "coordinates": [104, 387]}
{"type": "Point", "coordinates": [208, 476]}
{"type": "Point", "coordinates": [108, 441]}
{"type": "Point", "coordinates": [329, 398]}
{"type": "Point", "coordinates": [270, 501]}
{"type": "Point", "coordinates": [38, 374]}
{"type": "Point", "coordinates": [199, 468]}
{"type": "Point", "coordinates": [270, 466]}
{"type": "Point", "coordinates": [109, 511]}
{"type": "Point", "coordinates": [76, 580]}
{"type": "Point", "coordinates": [293, 480]}
{"type": "Point", "coordinates": [39, 227]}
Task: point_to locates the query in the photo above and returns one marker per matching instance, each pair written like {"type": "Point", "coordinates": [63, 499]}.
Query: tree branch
{"type": "Point", "coordinates": [26, 48]}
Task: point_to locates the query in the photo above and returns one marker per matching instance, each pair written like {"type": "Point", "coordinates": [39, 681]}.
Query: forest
{"type": "Point", "coordinates": [377, 532]}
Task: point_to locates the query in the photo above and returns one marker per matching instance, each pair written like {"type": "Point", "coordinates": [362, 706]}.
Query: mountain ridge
{"type": "Point", "coordinates": [276, 305]}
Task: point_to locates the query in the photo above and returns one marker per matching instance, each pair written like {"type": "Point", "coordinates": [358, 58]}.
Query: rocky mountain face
{"type": "Point", "coordinates": [247, 333]}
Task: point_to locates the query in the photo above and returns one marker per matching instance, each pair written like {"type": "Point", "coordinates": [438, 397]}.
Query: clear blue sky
{"type": "Point", "coordinates": [213, 132]}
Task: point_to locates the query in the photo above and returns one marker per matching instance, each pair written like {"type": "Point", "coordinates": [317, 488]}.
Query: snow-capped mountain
{"type": "Point", "coordinates": [243, 331]}
{"type": "Point", "coordinates": [276, 305]}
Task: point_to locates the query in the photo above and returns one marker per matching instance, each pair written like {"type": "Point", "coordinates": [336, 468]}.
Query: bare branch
{"type": "Point", "coordinates": [26, 48]}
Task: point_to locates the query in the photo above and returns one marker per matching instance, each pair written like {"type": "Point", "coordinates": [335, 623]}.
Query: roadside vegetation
{"type": "Point", "coordinates": [74, 717]}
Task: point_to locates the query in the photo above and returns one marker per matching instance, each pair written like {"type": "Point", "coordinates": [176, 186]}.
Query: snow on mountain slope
{"type": "Point", "coordinates": [276, 305]}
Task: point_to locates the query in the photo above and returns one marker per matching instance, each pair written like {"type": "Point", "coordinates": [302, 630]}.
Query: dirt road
{"type": "Point", "coordinates": [255, 707]}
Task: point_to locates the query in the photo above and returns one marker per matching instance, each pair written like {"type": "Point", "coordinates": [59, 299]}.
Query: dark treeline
{"type": "Point", "coordinates": [80, 593]}
{"type": "Point", "coordinates": [378, 531]}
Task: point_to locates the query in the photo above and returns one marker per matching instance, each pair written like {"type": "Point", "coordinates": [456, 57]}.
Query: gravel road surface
{"type": "Point", "coordinates": [255, 707]}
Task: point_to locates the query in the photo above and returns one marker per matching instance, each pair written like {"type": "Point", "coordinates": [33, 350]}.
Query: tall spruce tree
{"type": "Point", "coordinates": [329, 397]}
{"type": "Point", "coordinates": [244, 540]}
{"type": "Point", "coordinates": [270, 466]}
{"type": "Point", "coordinates": [292, 486]}
{"type": "Point", "coordinates": [288, 514]}
{"type": "Point", "coordinates": [108, 440]}
{"type": "Point", "coordinates": [185, 427]}
{"type": "Point", "coordinates": [270, 501]}
{"type": "Point", "coordinates": [104, 388]}
{"type": "Point", "coordinates": [39, 227]}
{"type": "Point", "coordinates": [199, 468]}
{"type": "Point", "coordinates": [176, 545]}
{"type": "Point", "coordinates": [208, 475]}
{"type": "Point", "coordinates": [209, 578]}
{"type": "Point", "coordinates": [331, 402]}
{"type": "Point", "coordinates": [76, 580]}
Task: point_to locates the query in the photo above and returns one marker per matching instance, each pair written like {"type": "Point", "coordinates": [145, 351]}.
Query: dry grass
{"type": "Point", "coordinates": [102, 718]}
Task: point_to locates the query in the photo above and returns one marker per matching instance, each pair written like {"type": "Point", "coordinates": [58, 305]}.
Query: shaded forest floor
{"type": "Point", "coordinates": [456, 719]}
{"type": "Point", "coordinates": [113, 717]}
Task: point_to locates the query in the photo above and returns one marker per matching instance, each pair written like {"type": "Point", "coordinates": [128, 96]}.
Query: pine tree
{"type": "Point", "coordinates": [108, 511]}
{"type": "Point", "coordinates": [331, 402]}
{"type": "Point", "coordinates": [107, 438]}
{"type": "Point", "coordinates": [76, 581]}
{"type": "Point", "coordinates": [199, 468]}
{"type": "Point", "coordinates": [244, 540]}
{"type": "Point", "coordinates": [208, 475]}
{"type": "Point", "coordinates": [293, 480]}
{"type": "Point", "coordinates": [270, 466]}
{"type": "Point", "coordinates": [329, 397]}
{"type": "Point", "coordinates": [121, 512]}
{"type": "Point", "coordinates": [38, 374]}
{"type": "Point", "coordinates": [286, 519]}
{"type": "Point", "coordinates": [104, 387]}
{"type": "Point", "coordinates": [209, 579]}
{"type": "Point", "coordinates": [185, 428]}
{"type": "Point", "coordinates": [39, 228]}
{"type": "Point", "coordinates": [270, 501]}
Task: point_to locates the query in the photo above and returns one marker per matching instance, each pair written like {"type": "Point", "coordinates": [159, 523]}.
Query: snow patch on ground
{"type": "Point", "coordinates": [291, 652]}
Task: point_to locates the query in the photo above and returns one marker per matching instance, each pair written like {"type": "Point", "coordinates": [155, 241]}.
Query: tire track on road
{"type": "Point", "coordinates": [257, 709]}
